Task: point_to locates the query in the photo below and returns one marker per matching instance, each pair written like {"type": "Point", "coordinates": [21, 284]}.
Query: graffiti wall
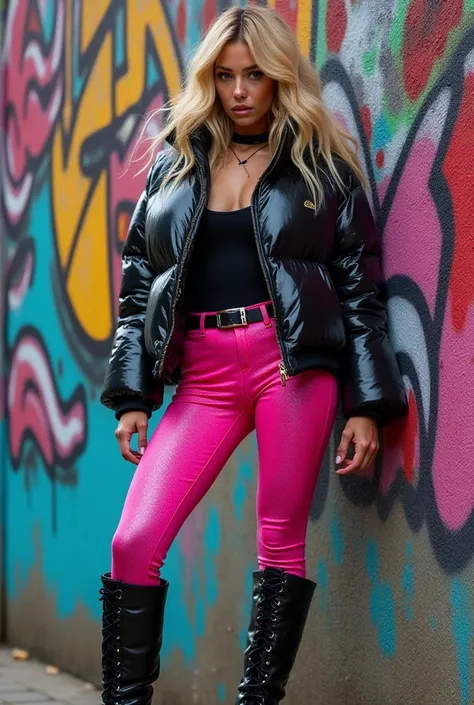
{"type": "Point", "coordinates": [392, 551]}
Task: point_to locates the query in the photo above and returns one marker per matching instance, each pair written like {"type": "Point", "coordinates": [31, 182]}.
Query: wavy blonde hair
{"type": "Point", "coordinates": [298, 103]}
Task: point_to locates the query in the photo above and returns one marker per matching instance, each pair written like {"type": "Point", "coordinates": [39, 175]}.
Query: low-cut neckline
{"type": "Point", "coordinates": [238, 210]}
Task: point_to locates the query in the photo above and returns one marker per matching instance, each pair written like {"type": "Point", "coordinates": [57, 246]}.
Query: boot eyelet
{"type": "Point", "coordinates": [268, 648]}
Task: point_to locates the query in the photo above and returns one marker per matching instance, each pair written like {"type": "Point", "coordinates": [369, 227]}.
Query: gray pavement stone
{"type": "Point", "coordinates": [27, 696]}
{"type": "Point", "coordinates": [27, 682]}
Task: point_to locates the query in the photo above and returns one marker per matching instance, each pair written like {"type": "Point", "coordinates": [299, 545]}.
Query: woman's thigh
{"type": "Point", "coordinates": [188, 449]}
{"type": "Point", "coordinates": [293, 425]}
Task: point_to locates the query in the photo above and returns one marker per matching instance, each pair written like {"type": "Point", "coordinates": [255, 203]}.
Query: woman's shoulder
{"type": "Point", "coordinates": [343, 168]}
{"type": "Point", "coordinates": [163, 161]}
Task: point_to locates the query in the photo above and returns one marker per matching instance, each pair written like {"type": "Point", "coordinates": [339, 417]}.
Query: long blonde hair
{"type": "Point", "coordinates": [298, 102]}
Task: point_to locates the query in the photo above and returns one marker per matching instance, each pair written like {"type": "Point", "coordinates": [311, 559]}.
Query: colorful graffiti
{"type": "Point", "coordinates": [420, 187]}
{"type": "Point", "coordinates": [78, 78]}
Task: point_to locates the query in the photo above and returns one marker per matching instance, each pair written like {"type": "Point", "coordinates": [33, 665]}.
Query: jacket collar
{"type": "Point", "coordinates": [201, 139]}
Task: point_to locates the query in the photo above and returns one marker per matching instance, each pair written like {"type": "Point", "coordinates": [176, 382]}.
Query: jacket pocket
{"type": "Point", "coordinates": [159, 311]}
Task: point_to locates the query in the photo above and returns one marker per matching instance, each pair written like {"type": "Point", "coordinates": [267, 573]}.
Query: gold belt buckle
{"type": "Point", "coordinates": [243, 318]}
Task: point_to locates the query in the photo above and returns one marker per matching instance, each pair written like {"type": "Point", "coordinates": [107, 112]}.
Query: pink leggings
{"type": "Point", "coordinates": [230, 385]}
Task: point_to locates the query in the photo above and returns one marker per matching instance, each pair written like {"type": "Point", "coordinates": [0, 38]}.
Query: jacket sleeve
{"type": "Point", "coordinates": [373, 385]}
{"type": "Point", "coordinates": [132, 403]}
{"type": "Point", "coordinates": [130, 368]}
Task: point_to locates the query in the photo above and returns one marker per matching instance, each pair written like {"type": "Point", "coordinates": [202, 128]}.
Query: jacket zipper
{"type": "Point", "coordinates": [282, 366]}
{"type": "Point", "coordinates": [177, 293]}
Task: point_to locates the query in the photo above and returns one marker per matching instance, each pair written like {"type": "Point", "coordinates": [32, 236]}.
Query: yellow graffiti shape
{"type": "Point", "coordinates": [304, 24]}
{"type": "Point", "coordinates": [90, 267]}
{"type": "Point", "coordinates": [143, 15]}
{"type": "Point", "coordinates": [93, 14]}
{"type": "Point", "coordinates": [80, 200]}
{"type": "Point", "coordinates": [73, 193]}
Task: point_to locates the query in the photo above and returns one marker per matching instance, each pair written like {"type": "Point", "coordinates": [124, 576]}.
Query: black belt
{"type": "Point", "coordinates": [230, 318]}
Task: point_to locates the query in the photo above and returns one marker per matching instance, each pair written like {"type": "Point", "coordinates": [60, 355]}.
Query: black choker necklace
{"type": "Point", "coordinates": [250, 139]}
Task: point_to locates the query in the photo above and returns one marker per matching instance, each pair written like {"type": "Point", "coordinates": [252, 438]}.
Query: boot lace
{"type": "Point", "coordinates": [258, 655]}
{"type": "Point", "coordinates": [111, 598]}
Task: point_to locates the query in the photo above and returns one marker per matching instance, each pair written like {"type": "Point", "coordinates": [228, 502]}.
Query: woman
{"type": "Point", "coordinates": [251, 276]}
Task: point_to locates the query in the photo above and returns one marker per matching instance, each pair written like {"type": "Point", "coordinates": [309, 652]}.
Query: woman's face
{"type": "Point", "coordinates": [246, 93]}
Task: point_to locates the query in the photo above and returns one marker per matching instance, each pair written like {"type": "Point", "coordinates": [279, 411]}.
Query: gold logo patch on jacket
{"type": "Point", "coordinates": [309, 204]}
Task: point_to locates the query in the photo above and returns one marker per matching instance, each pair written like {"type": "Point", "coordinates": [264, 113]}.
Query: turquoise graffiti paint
{"type": "Point", "coordinates": [381, 602]}
{"type": "Point", "coordinates": [221, 692]}
{"type": "Point", "coordinates": [119, 44]}
{"type": "Point", "coordinates": [212, 541]}
{"type": "Point", "coordinates": [462, 631]}
{"type": "Point", "coordinates": [152, 75]}
{"type": "Point", "coordinates": [245, 475]}
{"type": "Point", "coordinates": [48, 19]}
{"type": "Point", "coordinates": [322, 580]}
{"type": "Point", "coordinates": [337, 540]}
{"type": "Point", "coordinates": [381, 135]}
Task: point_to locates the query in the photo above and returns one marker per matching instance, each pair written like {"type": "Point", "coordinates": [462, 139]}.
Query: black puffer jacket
{"type": "Point", "coordinates": [323, 273]}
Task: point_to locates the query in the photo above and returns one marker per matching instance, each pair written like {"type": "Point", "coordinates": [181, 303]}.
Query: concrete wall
{"type": "Point", "coordinates": [392, 551]}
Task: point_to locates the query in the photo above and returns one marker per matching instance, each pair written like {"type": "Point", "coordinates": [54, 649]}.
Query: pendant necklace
{"type": "Point", "coordinates": [243, 162]}
{"type": "Point", "coordinates": [249, 139]}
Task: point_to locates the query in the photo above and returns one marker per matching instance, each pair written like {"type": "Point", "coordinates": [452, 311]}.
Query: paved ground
{"type": "Point", "coordinates": [27, 682]}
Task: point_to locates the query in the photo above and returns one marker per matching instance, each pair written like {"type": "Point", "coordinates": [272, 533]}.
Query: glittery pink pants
{"type": "Point", "coordinates": [230, 385]}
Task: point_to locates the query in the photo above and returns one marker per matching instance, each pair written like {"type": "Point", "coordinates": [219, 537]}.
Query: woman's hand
{"type": "Point", "coordinates": [132, 422]}
{"type": "Point", "coordinates": [362, 432]}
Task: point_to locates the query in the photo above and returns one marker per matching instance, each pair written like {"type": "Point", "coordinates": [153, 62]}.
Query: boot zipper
{"type": "Point", "coordinates": [282, 366]}
{"type": "Point", "coordinates": [177, 293]}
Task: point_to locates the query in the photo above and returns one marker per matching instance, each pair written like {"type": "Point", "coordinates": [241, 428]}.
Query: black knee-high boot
{"type": "Point", "coordinates": [132, 632]}
{"type": "Point", "coordinates": [280, 607]}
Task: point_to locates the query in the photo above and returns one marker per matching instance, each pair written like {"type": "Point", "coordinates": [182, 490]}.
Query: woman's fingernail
{"type": "Point", "coordinates": [338, 460]}
{"type": "Point", "coordinates": [142, 450]}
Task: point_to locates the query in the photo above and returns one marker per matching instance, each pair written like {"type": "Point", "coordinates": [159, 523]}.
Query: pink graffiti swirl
{"type": "Point", "coordinates": [36, 409]}
{"type": "Point", "coordinates": [33, 90]}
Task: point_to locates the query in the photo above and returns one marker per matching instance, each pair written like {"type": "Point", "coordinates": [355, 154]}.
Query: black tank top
{"type": "Point", "coordinates": [224, 269]}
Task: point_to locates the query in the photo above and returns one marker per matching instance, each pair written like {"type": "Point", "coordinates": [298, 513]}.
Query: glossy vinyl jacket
{"type": "Point", "coordinates": [323, 272]}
